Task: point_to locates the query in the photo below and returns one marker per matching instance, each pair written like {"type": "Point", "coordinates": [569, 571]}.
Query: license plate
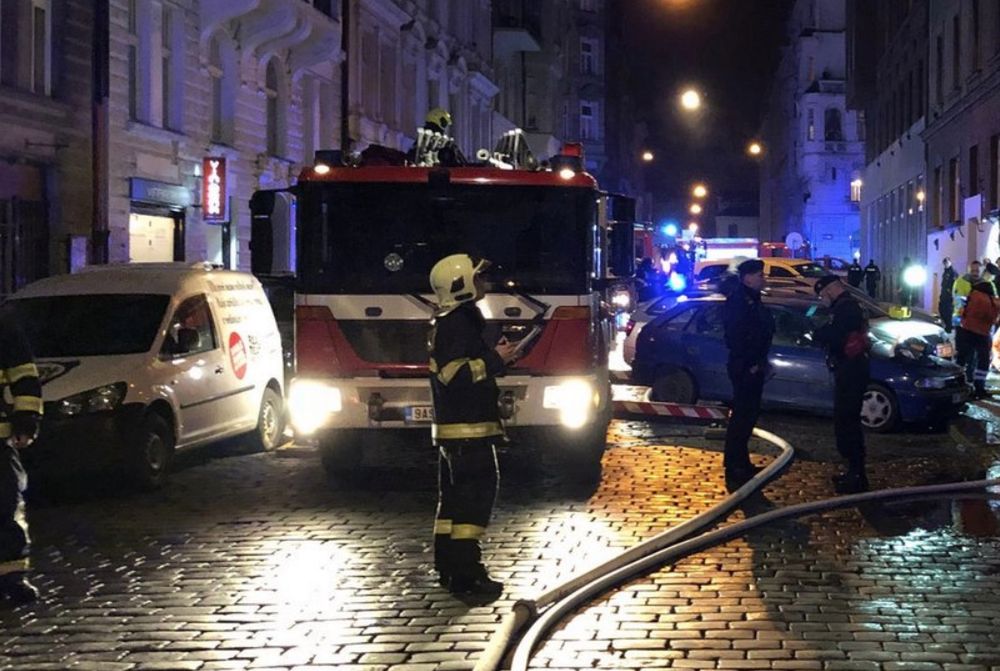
{"type": "Point", "coordinates": [420, 413]}
{"type": "Point", "coordinates": [945, 350]}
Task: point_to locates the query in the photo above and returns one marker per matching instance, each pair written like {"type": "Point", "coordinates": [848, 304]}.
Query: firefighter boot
{"type": "Point", "coordinates": [442, 558]}
{"type": "Point", "coordinates": [469, 577]}
{"type": "Point", "coordinates": [17, 588]}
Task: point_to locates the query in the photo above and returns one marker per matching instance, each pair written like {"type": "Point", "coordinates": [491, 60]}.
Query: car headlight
{"type": "Point", "coordinates": [931, 383]}
{"type": "Point", "coordinates": [621, 299]}
{"type": "Point", "coordinates": [310, 404]}
{"type": "Point", "coordinates": [107, 397]}
{"type": "Point", "coordinates": [575, 400]}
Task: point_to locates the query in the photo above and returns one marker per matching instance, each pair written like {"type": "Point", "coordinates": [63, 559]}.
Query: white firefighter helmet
{"type": "Point", "coordinates": [453, 279]}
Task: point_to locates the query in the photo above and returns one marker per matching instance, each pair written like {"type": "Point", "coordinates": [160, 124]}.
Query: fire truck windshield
{"type": "Point", "coordinates": [373, 238]}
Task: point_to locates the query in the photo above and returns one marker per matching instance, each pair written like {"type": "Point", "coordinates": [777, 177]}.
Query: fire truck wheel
{"type": "Point", "coordinates": [341, 456]}
{"type": "Point", "coordinates": [583, 463]}
{"type": "Point", "coordinates": [270, 425]}
{"type": "Point", "coordinates": [673, 385]}
{"type": "Point", "coordinates": [149, 461]}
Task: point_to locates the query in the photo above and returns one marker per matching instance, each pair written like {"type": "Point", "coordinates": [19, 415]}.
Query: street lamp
{"type": "Point", "coordinates": [647, 156]}
{"type": "Point", "coordinates": [693, 227]}
{"type": "Point", "coordinates": [695, 208]}
{"type": "Point", "coordinates": [691, 100]}
{"type": "Point", "coordinates": [699, 191]}
{"type": "Point", "coordinates": [755, 149]}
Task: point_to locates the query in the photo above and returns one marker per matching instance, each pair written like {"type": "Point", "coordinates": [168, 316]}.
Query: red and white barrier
{"type": "Point", "coordinates": [649, 408]}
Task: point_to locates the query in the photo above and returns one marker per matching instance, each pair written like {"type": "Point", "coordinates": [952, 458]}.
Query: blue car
{"type": "Point", "coordinates": [682, 357]}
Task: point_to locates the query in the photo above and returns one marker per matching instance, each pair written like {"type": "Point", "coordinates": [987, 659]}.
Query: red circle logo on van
{"type": "Point", "coordinates": [237, 355]}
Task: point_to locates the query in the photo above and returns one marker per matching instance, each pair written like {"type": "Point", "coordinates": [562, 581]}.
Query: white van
{"type": "Point", "coordinates": [138, 360]}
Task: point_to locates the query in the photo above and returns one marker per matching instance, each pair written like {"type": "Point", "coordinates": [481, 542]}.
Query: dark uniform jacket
{"type": "Point", "coordinates": [848, 323]}
{"type": "Point", "coordinates": [749, 327]}
{"type": "Point", "coordinates": [23, 406]}
{"type": "Point", "coordinates": [855, 273]}
{"type": "Point", "coordinates": [463, 369]}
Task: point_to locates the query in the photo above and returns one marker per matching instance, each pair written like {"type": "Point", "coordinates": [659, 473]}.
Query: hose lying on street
{"type": "Point", "coordinates": [527, 644]}
{"type": "Point", "coordinates": [524, 610]}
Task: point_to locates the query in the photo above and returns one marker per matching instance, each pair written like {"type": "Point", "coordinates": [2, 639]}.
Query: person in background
{"type": "Point", "coordinates": [982, 309]}
{"type": "Point", "coordinates": [855, 273]}
{"type": "Point", "coordinates": [960, 292]}
{"type": "Point", "coordinates": [946, 299]}
{"type": "Point", "coordinates": [873, 275]}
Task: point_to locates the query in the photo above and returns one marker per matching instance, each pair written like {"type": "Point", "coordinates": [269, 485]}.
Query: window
{"type": "Point", "coordinates": [778, 271]}
{"type": "Point", "coordinates": [167, 73]}
{"type": "Point", "coordinates": [588, 56]}
{"type": "Point", "coordinates": [974, 170]}
{"type": "Point", "coordinates": [832, 127]}
{"type": "Point", "coordinates": [975, 36]}
{"type": "Point", "coordinates": [790, 328]}
{"type": "Point", "coordinates": [856, 190]}
{"type": "Point", "coordinates": [273, 90]}
{"type": "Point", "coordinates": [388, 96]}
{"type": "Point", "coordinates": [133, 60]}
{"type": "Point", "coordinates": [41, 47]}
{"type": "Point", "coordinates": [955, 202]}
{"type": "Point", "coordinates": [939, 71]}
{"type": "Point", "coordinates": [956, 52]}
{"type": "Point", "coordinates": [921, 194]}
{"type": "Point", "coordinates": [811, 124]}
{"type": "Point", "coordinates": [222, 71]}
{"type": "Point", "coordinates": [707, 322]}
{"type": "Point", "coordinates": [194, 317]}
{"type": "Point", "coordinates": [833, 174]}
{"type": "Point", "coordinates": [588, 120]}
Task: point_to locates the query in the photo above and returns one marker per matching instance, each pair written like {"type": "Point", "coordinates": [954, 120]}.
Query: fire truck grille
{"type": "Point", "coordinates": [388, 341]}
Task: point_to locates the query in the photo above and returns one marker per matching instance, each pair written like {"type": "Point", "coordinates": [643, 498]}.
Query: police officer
{"type": "Point", "coordinates": [19, 420]}
{"type": "Point", "coordinates": [749, 328]}
{"type": "Point", "coordinates": [873, 275]}
{"type": "Point", "coordinates": [466, 427]}
{"type": "Point", "coordinates": [855, 273]}
{"type": "Point", "coordinates": [946, 300]}
{"type": "Point", "coordinates": [846, 340]}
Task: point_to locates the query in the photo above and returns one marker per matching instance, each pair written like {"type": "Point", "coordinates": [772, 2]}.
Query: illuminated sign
{"type": "Point", "coordinates": [215, 204]}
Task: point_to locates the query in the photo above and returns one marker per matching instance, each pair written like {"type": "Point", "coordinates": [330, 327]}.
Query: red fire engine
{"type": "Point", "coordinates": [365, 237]}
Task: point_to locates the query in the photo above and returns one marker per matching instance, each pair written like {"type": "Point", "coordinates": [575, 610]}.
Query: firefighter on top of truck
{"type": "Point", "coordinates": [466, 428]}
{"type": "Point", "coordinates": [19, 421]}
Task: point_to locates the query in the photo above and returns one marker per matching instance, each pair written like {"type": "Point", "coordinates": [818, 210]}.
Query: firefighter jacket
{"type": "Point", "coordinates": [463, 369]}
{"type": "Point", "coordinates": [846, 335]}
{"type": "Point", "coordinates": [20, 390]}
{"type": "Point", "coordinates": [981, 309]}
{"type": "Point", "coordinates": [749, 327]}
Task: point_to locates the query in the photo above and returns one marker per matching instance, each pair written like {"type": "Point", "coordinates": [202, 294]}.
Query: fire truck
{"type": "Point", "coordinates": [356, 238]}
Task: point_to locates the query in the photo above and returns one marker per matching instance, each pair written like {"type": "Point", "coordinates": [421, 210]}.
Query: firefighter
{"type": "Point", "coordinates": [438, 120]}
{"type": "Point", "coordinates": [466, 429]}
{"type": "Point", "coordinates": [20, 411]}
{"type": "Point", "coordinates": [846, 340]}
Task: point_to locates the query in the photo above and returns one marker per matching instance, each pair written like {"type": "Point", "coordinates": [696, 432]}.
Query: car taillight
{"type": "Point", "coordinates": [629, 326]}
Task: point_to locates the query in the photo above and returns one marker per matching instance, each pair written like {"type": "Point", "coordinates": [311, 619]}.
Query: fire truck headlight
{"type": "Point", "coordinates": [310, 403]}
{"type": "Point", "coordinates": [621, 299]}
{"type": "Point", "coordinates": [575, 400]}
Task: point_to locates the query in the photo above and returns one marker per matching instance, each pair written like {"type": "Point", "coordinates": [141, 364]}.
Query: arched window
{"type": "Point", "coordinates": [274, 91]}
{"type": "Point", "coordinates": [833, 129]}
{"type": "Point", "coordinates": [222, 71]}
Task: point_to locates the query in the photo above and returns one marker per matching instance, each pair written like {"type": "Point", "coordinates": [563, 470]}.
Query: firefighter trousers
{"type": "Point", "coordinates": [747, 391]}
{"type": "Point", "coordinates": [468, 477]}
{"type": "Point", "coordinates": [14, 544]}
{"type": "Point", "coordinates": [850, 382]}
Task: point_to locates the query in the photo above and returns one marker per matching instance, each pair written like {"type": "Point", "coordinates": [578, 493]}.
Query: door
{"type": "Point", "coordinates": [800, 376]}
{"type": "Point", "coordinates": [24, 243]}
{"type": "Point", "coordinates": [705, 348]}
{"type": "Point", "coordinates": [193, 362]}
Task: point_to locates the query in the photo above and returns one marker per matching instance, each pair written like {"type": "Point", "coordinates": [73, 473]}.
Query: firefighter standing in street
{"type": "Point", "coordinates": [19, 420]}
{"type": "Point", "coordinates": [749, 328]}
{"type": "Point", "coordinates": [974, 336]}
{"type": "Point", "coordinates": [846, 340]}
{"type": "Point", "coordinates": [466, 427]}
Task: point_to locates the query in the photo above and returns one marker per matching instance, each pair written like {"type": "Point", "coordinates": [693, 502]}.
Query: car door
{"type": "Point", "coordinates": [705, 349]}
{"type": "Point", "coordinates": [195, 367]}
{"type": "Point", "coordinates": [800, 376]}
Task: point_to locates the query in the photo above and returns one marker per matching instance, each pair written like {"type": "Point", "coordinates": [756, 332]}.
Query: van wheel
{"type": "Point", "coordinates": [341, 456]}
{"type": "Point", "coordinates": [154, 450]}
{"type": "Point", "coordinates": [270, 422]}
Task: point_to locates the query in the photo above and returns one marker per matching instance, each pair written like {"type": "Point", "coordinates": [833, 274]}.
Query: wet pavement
{"type": "Point", "coordinates": [256, 562]}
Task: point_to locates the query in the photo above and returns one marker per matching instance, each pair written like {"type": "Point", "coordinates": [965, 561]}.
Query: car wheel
{"type": "Point", "coordinates": [154, 450]}
{"type": "Point", "coordinates": [879, 411]}
{"type": "Point", "coordinates": [270, 422]}
{"type": "Point", "coordinates": [341, 456]}
{"type": "Point", "coordinates": [673, 386]}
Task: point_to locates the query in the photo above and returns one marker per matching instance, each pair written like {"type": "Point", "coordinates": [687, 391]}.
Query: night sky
{"type": "Point", "coordinates": [728, 49]}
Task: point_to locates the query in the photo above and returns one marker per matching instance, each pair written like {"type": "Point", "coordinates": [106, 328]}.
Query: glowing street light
{"type": "Point", "coordinates": [699, 191]}
{"type": "Point", "coordinates": [647, 156]}
{"type": "Point", "coordinates": [755, 149]}
{"type": "Point", "coordinates": [693, 227]}
{"type": "Point", "coordinates": [691, 100]}
{"type": "Point", "coordinates": [695, 208]}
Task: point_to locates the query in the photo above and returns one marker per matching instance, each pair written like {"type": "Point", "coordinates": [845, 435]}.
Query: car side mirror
{"type": "Point", "coordinates": [188, 340]}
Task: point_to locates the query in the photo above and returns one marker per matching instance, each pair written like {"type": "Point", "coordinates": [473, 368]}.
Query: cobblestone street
{"type": "Point", "coordinates": [254, 561]}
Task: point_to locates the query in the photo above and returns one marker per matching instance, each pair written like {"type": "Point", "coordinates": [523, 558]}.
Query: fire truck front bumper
{"type": "Point", "coordinates": [320, 405]}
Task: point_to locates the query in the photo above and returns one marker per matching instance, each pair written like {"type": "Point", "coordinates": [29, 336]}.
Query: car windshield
{"type": "Point", "coordinates": [384, 238]}
{"type": "Point", "coordinates": [91, 324]}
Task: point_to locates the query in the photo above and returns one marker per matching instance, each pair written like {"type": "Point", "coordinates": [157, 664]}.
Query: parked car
{"type": "Point", "coordinates": [137, 360]}
{"type": "Point", "coordinates": [682, 356]}
{"type": "Point", "coordinates": [650, 310]}
{"type": "Point", "coordinates": [773, 268]}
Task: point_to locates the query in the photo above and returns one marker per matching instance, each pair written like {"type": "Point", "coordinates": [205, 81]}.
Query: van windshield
{"type": "Point", "coordinates": [91, 324]}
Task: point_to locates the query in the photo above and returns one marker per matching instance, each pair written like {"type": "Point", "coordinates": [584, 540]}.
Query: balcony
{"type": "Point", "coordinates": [514, 33]}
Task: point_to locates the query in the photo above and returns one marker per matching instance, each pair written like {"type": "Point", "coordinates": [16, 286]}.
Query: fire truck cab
{"type": "Point", "coordinates": [359, 244]}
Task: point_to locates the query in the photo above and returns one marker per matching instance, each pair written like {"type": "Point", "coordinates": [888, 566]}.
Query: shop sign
{"type": "Point", "coordinates": [215, 204]}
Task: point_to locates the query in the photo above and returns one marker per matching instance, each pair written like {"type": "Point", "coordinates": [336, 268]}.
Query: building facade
{"type": "Point", "coordinates": [887, 76]}
{"type": "Point", "coordinates": [962, 133]}
{"type": "Point", "coordinates": [813, 158]}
